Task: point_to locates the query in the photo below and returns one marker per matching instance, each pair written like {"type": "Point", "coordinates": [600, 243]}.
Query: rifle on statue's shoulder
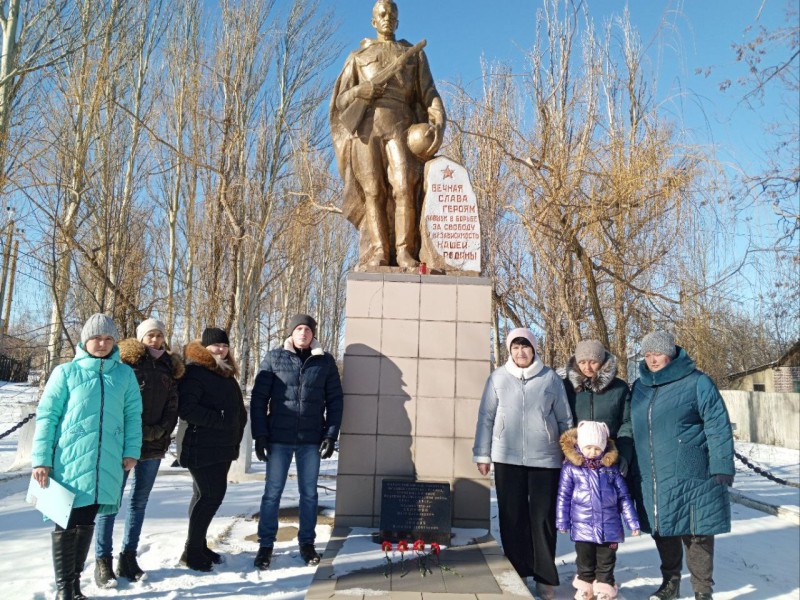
{"type": "Point", "coordinates": [352, 115]}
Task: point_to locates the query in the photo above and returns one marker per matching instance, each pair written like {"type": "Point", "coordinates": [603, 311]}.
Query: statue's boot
{"type": "Point", "coordinates": [404, 228]}
{"type": "Point", "coordinates": [379, 237]}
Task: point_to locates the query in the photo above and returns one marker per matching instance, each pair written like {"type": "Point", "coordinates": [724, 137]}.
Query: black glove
{"type": "Point", "coordinates": [326, 448]}
{"type": "Point", "coordinates": [623, 466]}
{"type": "Point", "coordinates": [262, 448]}
{"type": "Point", "coordinates": [723, 479]}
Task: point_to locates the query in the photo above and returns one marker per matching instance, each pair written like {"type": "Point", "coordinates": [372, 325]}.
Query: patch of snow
{"type": "Point", "coordinates": [510, 583]}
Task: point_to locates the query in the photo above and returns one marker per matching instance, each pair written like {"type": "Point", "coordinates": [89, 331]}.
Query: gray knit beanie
{"type": "Point", "coordinates": [98, 324]}
{"type": "Point", "coordinates": [590, 350]}
{"type": "Point", "coordinates": [149, 325]}
{"type": "Point", "coordinates": [660, 342]}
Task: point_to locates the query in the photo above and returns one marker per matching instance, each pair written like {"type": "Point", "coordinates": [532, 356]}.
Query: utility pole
{"type": "Point", "coordinates": [10, 296]}
{"type": "Point", "coordinates": [4, 275]}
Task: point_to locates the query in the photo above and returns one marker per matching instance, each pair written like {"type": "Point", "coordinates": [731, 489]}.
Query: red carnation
{"type": "Point", "coordinates": [419, 545]}
{"type": "Point", "coordinates": [386, 546]}
{"type": "Point", "coordinates": [402, 546]}
{"type": "Point", "coordinates": [435, 548]}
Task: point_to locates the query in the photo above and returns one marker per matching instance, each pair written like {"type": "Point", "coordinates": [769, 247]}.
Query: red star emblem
{"type": "Point", "coordinates": [447, 172]}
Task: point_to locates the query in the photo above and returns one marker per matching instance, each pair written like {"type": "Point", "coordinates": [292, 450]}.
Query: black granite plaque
{"type": "Point", "coordinates": [414, 510]}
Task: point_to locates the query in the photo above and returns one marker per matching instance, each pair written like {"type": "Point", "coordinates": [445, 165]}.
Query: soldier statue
{"type": "Point", "coordinates": [386, 120]}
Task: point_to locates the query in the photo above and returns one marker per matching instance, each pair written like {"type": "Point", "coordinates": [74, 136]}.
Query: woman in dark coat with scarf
{"type": "Point", "coordinates": [684, 450]}
{"type": "Point", "coordinates": [157, 371]}
{"type": "Point", "coordinates": [211, 403]}
{"type": "Point", "coordinates": [595, 393]}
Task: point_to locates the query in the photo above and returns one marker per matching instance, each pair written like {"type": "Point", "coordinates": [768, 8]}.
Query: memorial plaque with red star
{"type": "Point", "coordinates": [451, 233]}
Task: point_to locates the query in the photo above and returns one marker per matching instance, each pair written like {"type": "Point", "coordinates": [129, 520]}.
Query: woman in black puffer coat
{"type": "Point", "coordinates": [595, 393]}
{"type": "Point", "coordinates": [157, 371]}
{"type": "Point", "coordinates": [211, 403]}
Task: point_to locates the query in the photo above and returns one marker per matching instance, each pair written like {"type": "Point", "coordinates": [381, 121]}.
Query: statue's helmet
{"type": "Point", "coordinates": [420, 139]}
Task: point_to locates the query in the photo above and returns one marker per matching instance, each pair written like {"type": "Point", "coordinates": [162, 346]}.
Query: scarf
{"type": "Point", "coordinates": [526, 373]}
{"type": "Point", "coordinates": [156, 353]}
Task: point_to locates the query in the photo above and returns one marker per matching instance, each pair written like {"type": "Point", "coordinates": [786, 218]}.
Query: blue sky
{"type": "Point", "coordinates": [681, 36]}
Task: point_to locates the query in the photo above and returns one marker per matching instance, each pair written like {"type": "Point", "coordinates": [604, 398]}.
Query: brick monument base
{"type": "Point", "coordinates": [415, 362]}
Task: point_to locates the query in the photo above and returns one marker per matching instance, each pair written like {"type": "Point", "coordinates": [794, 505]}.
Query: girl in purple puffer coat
{"type": "Point", "coordinates": [591, 495]}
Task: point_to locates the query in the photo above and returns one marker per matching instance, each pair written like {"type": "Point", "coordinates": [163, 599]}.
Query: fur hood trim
{"type": "Point", "coordinates": [601, 380]}
{"type": "Point", "coordinates": [197, 354]}
{"type": "Point", "coordinates": [316, 347]}
{"type": "Point", "coordinates": [132, 350]}
{"type": "Point", "coordinates": [569, 445]}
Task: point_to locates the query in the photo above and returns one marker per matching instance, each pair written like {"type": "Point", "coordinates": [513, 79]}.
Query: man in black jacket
{"type": "Point", "coordinates": [295, 410]}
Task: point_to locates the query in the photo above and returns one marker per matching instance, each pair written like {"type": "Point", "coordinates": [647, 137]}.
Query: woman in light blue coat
{"type": "Point", "coordinates": [523, 412]}
{"type": "Point", "coordinates": [88, 430]}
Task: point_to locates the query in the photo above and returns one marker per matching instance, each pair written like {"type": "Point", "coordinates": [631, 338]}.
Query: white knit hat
{"type": "Point", "coordinates": [592, 433]}
{"type": "Point", "coordinates": [147, 325]}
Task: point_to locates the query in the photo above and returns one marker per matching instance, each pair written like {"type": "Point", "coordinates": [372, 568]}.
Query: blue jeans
{"type": "Point", "coordinates": [280, 457]}
{"type": "Point", "coordinates": [144, 475]}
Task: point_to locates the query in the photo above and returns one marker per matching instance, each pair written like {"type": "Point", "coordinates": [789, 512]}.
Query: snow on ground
{"type": "Point", "coordinates": [781, 462]}
{"type": "Point", "coordinates": [758, 560]}
{"type": "Point", "coordinates": [13, 400]}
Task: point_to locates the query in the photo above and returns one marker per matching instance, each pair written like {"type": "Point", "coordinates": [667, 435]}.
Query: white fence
{"type": "Point", "coordinates": [765, 417]}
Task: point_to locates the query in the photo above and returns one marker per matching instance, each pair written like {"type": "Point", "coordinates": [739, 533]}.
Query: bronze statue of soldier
{"type": "Point", "coordinates": [386, 119]}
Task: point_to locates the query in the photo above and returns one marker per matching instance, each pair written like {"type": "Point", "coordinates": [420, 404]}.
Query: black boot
{"type": "Point", "coordinates": [104, 572]}
{"type": "Point", "coordinates": [128, 568]}
{"type": "Point", "coordinates": [263, 558]}
{"type": "Point", "coordinates": [670, 590]}
{"type": "Point", "coordinates": [214, 557]}
{"type": "Point", "coordinates": [309, 555]}
{"type": "Point", "coordinates": [703, 596]}
{"type": "Point", "coordinates": [64, 563]}
{"type": "Point", "coordinates": [196, 559]}
{"type": "Point", "coordinates": [83, 541]}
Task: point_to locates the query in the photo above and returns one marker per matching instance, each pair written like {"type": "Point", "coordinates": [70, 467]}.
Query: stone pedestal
{"type": "Point", "coordinates": [415, 363]}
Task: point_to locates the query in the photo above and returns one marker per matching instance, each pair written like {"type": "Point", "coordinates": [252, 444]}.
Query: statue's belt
{"type": "Point", "coordinates": [391, 99]}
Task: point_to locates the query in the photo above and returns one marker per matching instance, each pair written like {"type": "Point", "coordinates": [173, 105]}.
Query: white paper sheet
{"type": "Point", "coordinates": [54, 501]}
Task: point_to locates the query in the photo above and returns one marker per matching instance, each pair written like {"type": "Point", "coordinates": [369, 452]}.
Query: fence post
{"type": "Point", "coordinates": [22, 459]}
{"type": "Point", "coordinates": [241, 465]}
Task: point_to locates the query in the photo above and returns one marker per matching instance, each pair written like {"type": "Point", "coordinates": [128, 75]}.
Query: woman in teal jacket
{"type": "Point", "coordinates": [684, 451]}
{"type": "Point", "coordinates": [88, 430]}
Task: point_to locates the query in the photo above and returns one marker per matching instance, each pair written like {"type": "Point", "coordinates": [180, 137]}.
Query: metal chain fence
{"type": "Point", "coordinates": [764, 472]}
{"type": "Point", "coordinates": [17, 426]}
{"type": "Point", "coordinates": [744, 460]}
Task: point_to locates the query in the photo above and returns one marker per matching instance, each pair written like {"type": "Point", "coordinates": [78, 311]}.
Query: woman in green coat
{"type": "Point", "coordinates": [595, 393]}
{"type": "Point", "coordinates": [88, 430]}
{"type": "Point", "coordinates": [684, 451]}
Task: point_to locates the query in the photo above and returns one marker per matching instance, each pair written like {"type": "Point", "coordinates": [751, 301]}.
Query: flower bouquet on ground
{"type": "Point", "coordinates": [402, 548]}
{"type": "Point", "coordinates": [425, 558]}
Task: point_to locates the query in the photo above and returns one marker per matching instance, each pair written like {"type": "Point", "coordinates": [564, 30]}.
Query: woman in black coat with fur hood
{"type": "Point", "coordinates": [211, 403]}
{"type": "Point", "coordinates": [595, 393]}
